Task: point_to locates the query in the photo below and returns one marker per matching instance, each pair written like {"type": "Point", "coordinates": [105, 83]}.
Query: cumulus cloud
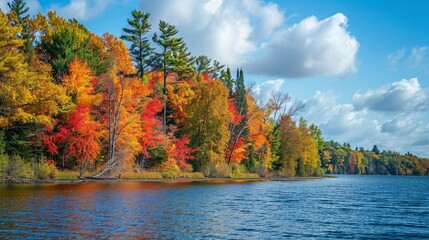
{"type": "Point", "coordinates": [397, 131]}
{"type": "Point", "coordinates": [223, 30]}
{"type": "Point", "coordinates": [335, 118]}
{"type": "Point", "coordinates": [264, 90]}
{"type": "Point", "coordinates": [405, 95]}
{"type": "Point", "coordinates": [254, 34]}
{"type": "Point", "coordinates": [310, 48]}
{"type": "Point", "coordinates": [81, 9]}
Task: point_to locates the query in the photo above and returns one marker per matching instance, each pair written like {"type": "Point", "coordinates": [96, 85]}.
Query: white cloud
{"type": "Point", "coordinates": [264, 90]}
{"type": "Point", "coordinates": [394, 58]}
{"type": "Point", "coordinates": [310, 48]}
{"type": "Point", "coordinates": [253, 34]}
{"type": "Point", "coordinates": [223, 30]}
{"type": "Point", "coordinates": [399, 131]}
{"type": "Point", "coordinates": [418, 57]}
{"type": "Point", "coordinates": [81, 9]}
{"type": "Point", "coordinates": [405, 95]}
{"type": "Point", "coordinates": [334, 118]}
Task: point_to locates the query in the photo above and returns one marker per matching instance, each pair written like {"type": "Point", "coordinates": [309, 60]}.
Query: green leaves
{"type": "Point", "coordinates": [140, 48]}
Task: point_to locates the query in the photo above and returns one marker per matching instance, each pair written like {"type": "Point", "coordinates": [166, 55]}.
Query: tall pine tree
{"type": "Point", "coordinates": [140, 46]}
{"type": "Point", "coordinates": [173, 56]}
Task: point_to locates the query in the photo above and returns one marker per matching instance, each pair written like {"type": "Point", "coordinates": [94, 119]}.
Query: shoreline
{"type": "Point", "coordinates": [159, 180]}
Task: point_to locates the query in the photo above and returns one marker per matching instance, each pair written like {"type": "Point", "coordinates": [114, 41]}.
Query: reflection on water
{"type": "Point", "coordinates": [346, 207]}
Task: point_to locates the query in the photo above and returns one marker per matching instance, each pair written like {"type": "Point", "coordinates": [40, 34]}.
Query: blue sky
{"type": "Point", "coordinates": [360, 66]}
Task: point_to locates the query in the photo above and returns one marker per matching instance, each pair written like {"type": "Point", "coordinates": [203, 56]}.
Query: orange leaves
{"type": "Point", "coordinates": [236, 119]}
{"type": "Point", "coordinates": [78, 137]}
{"type": "Point", "coordinates": [239, 153]}
{"type": "Point", "coordinates": [80, 83]}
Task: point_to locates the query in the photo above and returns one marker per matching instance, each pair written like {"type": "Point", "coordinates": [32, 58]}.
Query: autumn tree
{"type": "Point", "coordinates": [207, 123]}
{"type": "Point", "coordinates": [173, 57]}
{"type": "Point", "coordinates": [28, 94]}
{"type": "Point", "coordinates": [122, 101]}
{"type": "Point", "coordinates": [77, 136]}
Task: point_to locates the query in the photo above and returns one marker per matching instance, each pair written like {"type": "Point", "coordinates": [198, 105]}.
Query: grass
{"type": "Point", "coordinates": [243, 175]}
{"type": "Point", "coordinates": [193, 175]}
{"type": "Point", "coordinates": [66, 175]}
{"type": "Point", "coordinates": [135, 175]}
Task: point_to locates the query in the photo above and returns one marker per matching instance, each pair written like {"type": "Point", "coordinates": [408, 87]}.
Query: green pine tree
{"type": "Point", "coordinates": [140, 49]}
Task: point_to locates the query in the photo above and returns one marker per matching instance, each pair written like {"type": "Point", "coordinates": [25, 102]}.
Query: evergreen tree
{"type": "Point", "coordinates": [140, 49]}
{"type": "Point", "coordinates": [227, 80]}
{"type": "Point", "coordinates": [18, 15]}
{"type": "Point", "coordinates": [173, 56]}
{"type": "Point", "coordinates": [375, 149]}
{"type": "Point", "coordinates": [18, 8]}
{"type": "Point", "coordinates": [202, 65]}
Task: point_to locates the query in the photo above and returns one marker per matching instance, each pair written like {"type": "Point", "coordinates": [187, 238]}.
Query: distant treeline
{"type": "Point", "coordinates": [342, 159]}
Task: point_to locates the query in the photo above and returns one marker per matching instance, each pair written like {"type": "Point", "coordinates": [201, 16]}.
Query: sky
{"type": "Point", "coordinates": [360, 66]}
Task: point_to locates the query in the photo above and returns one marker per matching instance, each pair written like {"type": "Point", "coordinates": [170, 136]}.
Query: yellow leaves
{"type": "Point", "coordinates": [180, 96]}
{"type": "Point", "coordinates": [79, 77]}
{"type": "Point", "coordinates": [27, 91]}
{"type": "Point", "coordinates": [78, 83]}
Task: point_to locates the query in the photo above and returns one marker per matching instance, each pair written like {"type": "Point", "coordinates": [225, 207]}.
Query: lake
{"type": "Point", "coordinates": [370, 207]}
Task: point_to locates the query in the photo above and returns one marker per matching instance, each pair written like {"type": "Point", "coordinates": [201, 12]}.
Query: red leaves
{"type": "Point", "coordinates": [182, 152]}
{"type": "Point", "coordinates": [78, 137]}
{"type": "Point", "coordinates": [239, 153]}
{"type": "Point", "coordinates": [236, 117]}
{"type": "Point", "coordinates": [150, 123]}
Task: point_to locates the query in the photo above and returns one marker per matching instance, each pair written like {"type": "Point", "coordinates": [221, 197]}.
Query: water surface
{"type": "Point", "coordinates": [370, 207]}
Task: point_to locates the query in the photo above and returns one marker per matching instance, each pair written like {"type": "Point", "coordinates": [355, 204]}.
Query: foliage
{"type": "Point", "coordinates": [140, 46]}
{"type": "Point", "coordinates": [66, 175]}
{"type": "Point", "coordinates": [15, 167]}
{"type": "Point", "coordinates": [87, 102]}
{"type": "Point", "coordinates": [244, 175]}
{"type": "Point", "coordinates": [141, 175]}
{"type": "Point", "coordinates": [193, 175]}
{"type": "Point", "coordinates": [46, 170]}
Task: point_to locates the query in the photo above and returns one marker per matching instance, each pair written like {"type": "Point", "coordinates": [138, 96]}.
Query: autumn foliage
{"type": "Point", "coordinates": [88, 102]}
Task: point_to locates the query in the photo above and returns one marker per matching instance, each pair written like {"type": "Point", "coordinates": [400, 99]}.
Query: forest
{"type": "Point", "coordinates": [71, 100]}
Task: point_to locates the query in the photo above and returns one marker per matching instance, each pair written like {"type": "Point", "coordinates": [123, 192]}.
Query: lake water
{"type": "Point", "coordinates": [370, 207]}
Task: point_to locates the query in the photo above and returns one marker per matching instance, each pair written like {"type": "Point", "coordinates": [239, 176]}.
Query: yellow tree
{"type": "Point", "coordinates": [27, 94]}
{"type": "Point", "coordinates": [309, 160]}
{"type": "Point", "coordinates": [124, 94]}
{"type": "Point", "coordinates": [207, 121]}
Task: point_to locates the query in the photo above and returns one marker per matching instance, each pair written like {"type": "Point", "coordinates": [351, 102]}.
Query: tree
{"type": "Point", "coordinates": [27, 93]}
{"type": "Point", "coordinates": [140, 48]}
{"type": "Point", "coordinates": [290, 148]}
{"type": "Point", "coordinates": [122, 101]}
{"type": "Point", "coordinates": [18, 8]}
{"type": "Point", "coordinates": [316, 133]}
{"type": "Point", "coordinates": [207, 123]}
{"type": "Point", "coordinates": [77, 136]}
{"type": "Point", "coordinates": [202, 65]}
{"type": "Point", "coordinates": [172, 58]}
{"type": "Point", "coordinates": [375, 149]}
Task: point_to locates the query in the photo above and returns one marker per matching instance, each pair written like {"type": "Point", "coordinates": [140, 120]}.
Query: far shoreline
{"type": "Point", "coordinates": [159, 180]}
